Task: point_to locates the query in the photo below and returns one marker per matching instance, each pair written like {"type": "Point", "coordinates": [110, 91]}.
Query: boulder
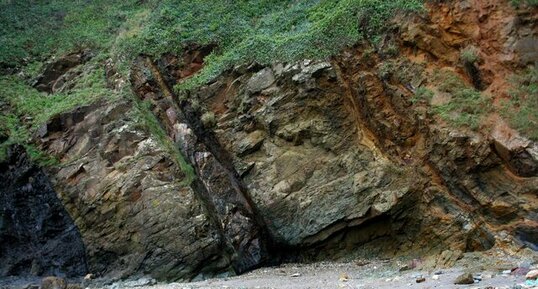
{"type": "Point", "coordinates": [518, 152]}
{"type": "Point", "coordinates": [532, 275]}
{"type": "Point", "coordinates": [260, 80]}
{"type": "Point", "coordinates": [53, 283]}
{"type": "Point", "coordinates": [465, 278]}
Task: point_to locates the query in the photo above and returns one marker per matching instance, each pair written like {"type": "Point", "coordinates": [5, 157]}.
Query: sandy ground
{"type": "Point", "coordinates": [347, 275]}
{"type": "Point", "coordinates": [352, 275]}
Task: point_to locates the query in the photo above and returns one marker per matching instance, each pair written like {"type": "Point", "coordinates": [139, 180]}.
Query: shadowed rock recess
{"type": "Point", "coordinates": [37, 234]}
{"type": "Point", "coordinates": [305, 161]}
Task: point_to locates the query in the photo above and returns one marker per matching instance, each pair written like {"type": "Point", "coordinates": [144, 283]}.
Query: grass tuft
{"type": "Point", "coordinates": [467, 105]}
{"type": "Point", "coordinates": [469, 55]}
{"type": "Point", "coordinates": [522, 109]}
{"type": "Point", "coordinates": [37, 107]}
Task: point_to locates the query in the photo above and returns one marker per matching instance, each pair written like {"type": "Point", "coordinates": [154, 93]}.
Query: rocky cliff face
{"type": "Point", "coordinates": [311, 160]}
{"type": "Point", "coordinates": [128, 198]}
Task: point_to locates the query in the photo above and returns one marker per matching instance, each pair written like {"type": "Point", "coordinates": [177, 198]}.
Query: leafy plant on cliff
{"type": "Point", "coordinates": [422, 94]}
{"type": "Point", "coordinates": [466, 105]}
{"type": "Point", "coordinates": [469, 55]}
{"type": "Point", "coordinates": [518, 3]}
{"type": "Point", "coordinates": [35, 30]}
{"type": "Point", "coordinates": [13, 132]}
{"type": "Point", "coordinates": [26, 109]}
{"type": "Point", "coordinates": [37, 107]}
{"type": "Point", "coordinates": [10, 133]}
{"type": "Point", "coordinates": [522, 108]}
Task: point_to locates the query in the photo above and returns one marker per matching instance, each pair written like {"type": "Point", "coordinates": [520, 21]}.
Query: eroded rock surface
{"type": "Point", "coordinates": [310, 160]}
{"type": "Point", "coordinates": [128, 198]}
{"type": "Point", "coordinates": [218, 185]}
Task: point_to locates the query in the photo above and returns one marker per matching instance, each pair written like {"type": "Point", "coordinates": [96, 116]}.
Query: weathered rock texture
{"type": "Point", "coordinates": [37, 235]}
{"type": "Point", "coordinates": [218, 185]}
{"type": "Point", "coordinates": [128, 197]}
{"type": "Point", "coordinates": [334, 155]}
{"type": "Point", "coordinates": [304, 161]}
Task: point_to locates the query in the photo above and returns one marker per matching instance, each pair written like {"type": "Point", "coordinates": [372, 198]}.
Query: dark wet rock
{"type": "Point", "coordinates": [37, 234]}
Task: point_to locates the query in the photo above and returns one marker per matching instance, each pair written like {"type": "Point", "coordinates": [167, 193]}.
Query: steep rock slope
{"type": "Point", "coordinates": [309, 160]}
{"type": "Point", "coordinates": [126, 196]}
{"type": "Point", "coordinates": [335, 154]}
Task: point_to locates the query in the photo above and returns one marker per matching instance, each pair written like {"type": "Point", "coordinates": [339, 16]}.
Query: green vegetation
{"type": "Point", "coordinates": [422, 94]}
{"type": "Point", "coordinates": [386, 70]}
{"type": "Point", "coordinates": [518, 3]}
{"type": "Point", "coordinates": [242, 31]}
{"type": "Point", "coordinates": [33, 32]}
{"type": "Point", "coordinates": [522, 109]}
{"type": "Point", "coordinates": [466, 106]}
{"type": "Point", "coordinates": [16, 133]}
{"type": "Point", "coordinates": [144, 116]}
{"type": "Point", "coordinates": [208, 119]}
{"type": "Point", "coordinates": [37, 107]}
{"type": "Point", "coordinates": [260, 30]}
{"type": "Point", "coordinates": [11, 133]}
{"type": "Point", "coordinates": [469, 55]}
{"type": "Point", "coordinates": [38, 29]}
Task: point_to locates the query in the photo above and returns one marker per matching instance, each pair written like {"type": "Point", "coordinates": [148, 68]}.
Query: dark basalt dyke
{"type": "Point", "coordinates": [37, 235]}
{"type": "Point", "coordinates": [218, 185]}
